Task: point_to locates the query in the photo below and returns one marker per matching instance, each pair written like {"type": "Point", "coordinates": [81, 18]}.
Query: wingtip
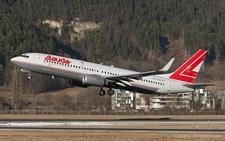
{"type": "Point", "coordinates": [168, 65]}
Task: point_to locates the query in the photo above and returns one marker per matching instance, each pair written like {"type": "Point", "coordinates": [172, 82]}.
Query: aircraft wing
{"type": "Point", "coordinates": [198, 85]}
{"type": "Point", "coordinates": [125, 79]}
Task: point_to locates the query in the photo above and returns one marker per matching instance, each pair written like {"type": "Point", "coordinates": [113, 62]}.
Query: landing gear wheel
{"type": "Point", "coordinates": [111, 92]}
{"type": "Point", "coordinates": [29, 76]}
{"type": "Point", "coordinates": [101, 92]}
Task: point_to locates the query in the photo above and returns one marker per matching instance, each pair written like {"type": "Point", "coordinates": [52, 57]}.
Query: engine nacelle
{"type": "Point", "coordinates": [78, 84]}
{"type": "Point", "coordinates": [93, 80]}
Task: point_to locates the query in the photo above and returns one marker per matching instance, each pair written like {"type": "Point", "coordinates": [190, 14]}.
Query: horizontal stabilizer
{"type": "Point", "coordinates": [198, 85]}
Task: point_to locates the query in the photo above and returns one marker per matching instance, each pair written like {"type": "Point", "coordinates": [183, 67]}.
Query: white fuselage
{"type": "Point", "coordinates": [75, 70]}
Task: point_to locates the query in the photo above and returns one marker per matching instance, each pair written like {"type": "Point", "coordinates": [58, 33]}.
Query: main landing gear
{"type": "Point", "coordinates": [101, 92]}
{"type": "Point", "coordinates": [110, 92]}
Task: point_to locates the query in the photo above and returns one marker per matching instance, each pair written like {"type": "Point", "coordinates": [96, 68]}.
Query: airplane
{"type": "Point", "coordinates": [83, 74]}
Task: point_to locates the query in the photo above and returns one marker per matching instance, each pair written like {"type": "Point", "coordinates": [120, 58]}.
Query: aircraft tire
{"type": "Point", "coordinates": [29, 76]}
{"type": "Point", "coordinates": [101, 93]}
{"type": "Point", "coordinates": [111, 92]}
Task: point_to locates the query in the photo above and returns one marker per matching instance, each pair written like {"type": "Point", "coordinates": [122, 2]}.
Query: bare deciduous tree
{"type": "Point", "coordinates": [17, 87]}
{"type": "Point", "coordinates": [4, 104]}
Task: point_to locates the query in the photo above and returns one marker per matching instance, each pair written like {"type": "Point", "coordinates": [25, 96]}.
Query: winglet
{"type": "Point", "coordinates": [167, 66]}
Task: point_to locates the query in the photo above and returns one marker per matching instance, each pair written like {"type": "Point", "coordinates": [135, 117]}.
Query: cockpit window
{"type": "Point", "coordinates": [24, 55]}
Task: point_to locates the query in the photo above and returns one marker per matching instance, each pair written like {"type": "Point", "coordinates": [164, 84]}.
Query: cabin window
{"type": "Point", "coordinates": [24, 55]}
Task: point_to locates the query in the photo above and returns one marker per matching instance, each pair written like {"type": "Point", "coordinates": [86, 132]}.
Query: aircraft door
{"type": "Point", "coordinates": [170, 85]}
{"type": "Point", "coordinates": [38, 59]}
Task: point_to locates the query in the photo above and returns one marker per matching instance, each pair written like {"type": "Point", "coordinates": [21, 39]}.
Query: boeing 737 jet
{"type": "Point", "coordinates": [84, 74]}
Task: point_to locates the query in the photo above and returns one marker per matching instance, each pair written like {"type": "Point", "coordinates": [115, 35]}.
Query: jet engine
{"type": "Point", "coordinates": [78, 84]}
{"type": "Point", "coordinates": [93, 80]}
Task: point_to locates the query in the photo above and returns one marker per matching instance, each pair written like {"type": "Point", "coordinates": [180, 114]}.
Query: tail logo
{"type": "Point", "coordinates": [189, 70]}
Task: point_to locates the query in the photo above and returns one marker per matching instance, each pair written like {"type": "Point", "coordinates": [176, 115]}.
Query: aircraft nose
{"type": "Point", "coordinates": [16, 61]}
{"type": "Point", "coordinates": [13, 60]}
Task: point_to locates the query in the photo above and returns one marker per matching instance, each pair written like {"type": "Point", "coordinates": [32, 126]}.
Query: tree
{"type": "Point", "coordinates": [17, 87]}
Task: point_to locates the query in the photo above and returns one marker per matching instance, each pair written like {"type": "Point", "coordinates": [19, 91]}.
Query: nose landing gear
{"type": "Point", "coordinates": [29, 76]}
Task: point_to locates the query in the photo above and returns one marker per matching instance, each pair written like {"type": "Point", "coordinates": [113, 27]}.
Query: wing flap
{"type": "Point", "coordinates": [137, 76]}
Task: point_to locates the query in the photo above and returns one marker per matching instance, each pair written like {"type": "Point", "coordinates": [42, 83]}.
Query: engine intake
{"type": "Point", "coordinates": [93, 80]}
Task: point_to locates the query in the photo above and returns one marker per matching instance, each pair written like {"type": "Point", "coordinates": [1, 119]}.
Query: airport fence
{"type": "Point", "coordinates": [80, 112]}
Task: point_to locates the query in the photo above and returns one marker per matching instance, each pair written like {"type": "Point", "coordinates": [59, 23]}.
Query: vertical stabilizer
{"type": "Point", "coordinates": [188, 72]}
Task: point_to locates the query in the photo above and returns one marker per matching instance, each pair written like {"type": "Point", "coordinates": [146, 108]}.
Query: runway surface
{"type": "Point", "coordinates": [105, 125]}
{"type": "Point", "coordinates": [119, 129]}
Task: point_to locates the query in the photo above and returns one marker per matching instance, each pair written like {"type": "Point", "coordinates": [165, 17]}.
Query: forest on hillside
{"type": "Point", "coordinates": [138, 35]}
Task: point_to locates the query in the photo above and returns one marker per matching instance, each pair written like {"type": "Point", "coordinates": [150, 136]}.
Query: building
{"type": "Point", "coordinates": [202, 99]}
{"type": "Point", "coordinates": [171, 101]}
{"type": "Point", "coordinates": [221, 99]}
{"type": "Point", "coordinates": [125, 100]}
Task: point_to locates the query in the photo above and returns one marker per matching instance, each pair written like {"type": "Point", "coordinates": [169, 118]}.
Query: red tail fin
{"type": "Point", "coordinates": [189, 70]}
